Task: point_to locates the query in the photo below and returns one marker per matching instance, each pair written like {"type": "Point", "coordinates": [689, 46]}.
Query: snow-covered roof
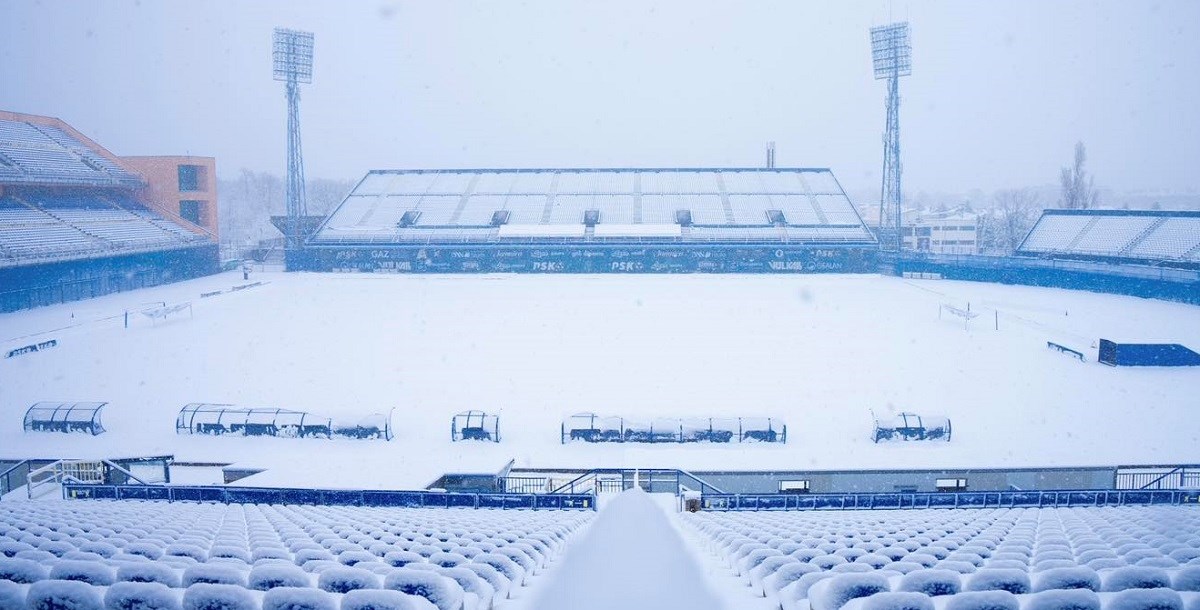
{"type": "Point", "coordinates": [482, 205]}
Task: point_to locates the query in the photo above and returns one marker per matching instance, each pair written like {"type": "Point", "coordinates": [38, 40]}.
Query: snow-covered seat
{"type": "Point", "coordinates": [344, 579]}
{"type": "Point", "coordinates": [63, 594]}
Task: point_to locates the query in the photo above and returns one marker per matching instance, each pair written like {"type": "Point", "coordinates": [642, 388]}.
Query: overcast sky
{"type": "Point", "coordinates": [1000, 91]}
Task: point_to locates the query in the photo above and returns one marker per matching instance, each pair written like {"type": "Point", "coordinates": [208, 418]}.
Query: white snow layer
{"type": "Point", "coordinates": [819, 352]}
{"type": "Point", "coordinates": [630, 557]}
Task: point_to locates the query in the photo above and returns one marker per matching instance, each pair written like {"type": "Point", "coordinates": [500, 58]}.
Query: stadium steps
{"type": "Point", "coordinates": [1083, 232]}
{"type": "Point", "coordinates": [816, 205]}
{"type": "Point", "coordinates": [1192, 254]}
{"type": "Point", "coordinates": [464, 200]}
{"type": "Point", "coordinates": [1141, 236]}
{"type": "Point", "coordinates": [725, 205]}
{"type": "Point", "coordinates": [637, 199]}
{"type": "Point", "coordinates": [548, 211]}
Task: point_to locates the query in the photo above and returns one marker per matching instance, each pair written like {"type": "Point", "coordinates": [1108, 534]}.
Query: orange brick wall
{"type": "Point", "coordinates": [162, 193]}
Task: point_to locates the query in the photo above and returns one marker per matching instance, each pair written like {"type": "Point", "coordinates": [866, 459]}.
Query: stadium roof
{"type": "Point", "coordinates": [44, 151]}
{"type": "Point", "coordinates": [620, 204]}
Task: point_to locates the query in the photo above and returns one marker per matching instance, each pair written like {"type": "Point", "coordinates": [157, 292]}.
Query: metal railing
{"type": "Point", "coordinates": [615, 480]}
{"type": "Point", "coordinates": [1183, 477]}
{"type": "Point", "coordinates": [322, 497]}
{"type": "Point", "coordinates": [15, 476]}
{"type": "Point", "coordinates": [976, 499]}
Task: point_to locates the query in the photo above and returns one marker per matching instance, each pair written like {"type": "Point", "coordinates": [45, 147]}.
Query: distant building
{"type": "Point", "coordinates": [934, 232]}
{"type": "Point", "coordinates": [941, 233]}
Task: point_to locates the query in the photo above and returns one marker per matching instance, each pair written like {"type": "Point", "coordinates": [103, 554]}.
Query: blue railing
{"type": "Point", "coordinates": [967, 499]}
{"type": "Point", "coordinates": [268, 495]}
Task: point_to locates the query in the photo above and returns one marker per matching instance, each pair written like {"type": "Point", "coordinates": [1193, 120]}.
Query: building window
{"type": "Point", "coordinates": [800, 486]}
{"type": "Point", "coordinates": [951, 484]}
{"type": "Point", "coordinates": [190, 177]}
{"type": "Point", "coordinates": [190, 210]}
{"type": "Point", "coordinates": [923, 232]}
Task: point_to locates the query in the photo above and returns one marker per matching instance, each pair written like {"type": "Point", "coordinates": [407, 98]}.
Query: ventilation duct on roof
{"type": "Point", "coordinates": [409, 218]}
{"type": "Point", "coordinates": [683, 218]}
{"type": "Point", "coordinates": [776, 218]}
{"type": "Point", "coordinates": [591, 218]}
{"type": "Point", "coordinates": [500, 217]}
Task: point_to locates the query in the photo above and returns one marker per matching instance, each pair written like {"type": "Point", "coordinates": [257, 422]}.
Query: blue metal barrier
{"type": "Point", "coordinates": [269, 495]}
{"type": "Point", "coordinates": [968, 499]}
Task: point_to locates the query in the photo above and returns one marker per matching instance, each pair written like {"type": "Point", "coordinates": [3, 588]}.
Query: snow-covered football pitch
{"type": "Point", "coordinates": [819, 352]}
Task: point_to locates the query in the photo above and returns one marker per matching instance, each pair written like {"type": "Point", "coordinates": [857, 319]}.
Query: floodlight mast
{"type": "Point", "coordinates": [292, 59]}
{"type": "Point", "coordinates": [891, 54]}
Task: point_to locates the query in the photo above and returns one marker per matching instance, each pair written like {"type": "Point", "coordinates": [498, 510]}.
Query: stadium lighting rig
{"type": "Point", "coordinates": [891, 56]}
{"type": "Point", "coordinates": [292, 55]}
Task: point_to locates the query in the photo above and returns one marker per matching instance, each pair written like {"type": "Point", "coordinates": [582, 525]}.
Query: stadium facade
{"type": "Point", "coordinates": [795, 220]}
{"type": "Point", "coordinates": [77, 221]}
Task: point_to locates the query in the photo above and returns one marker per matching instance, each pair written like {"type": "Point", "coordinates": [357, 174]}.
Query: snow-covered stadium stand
{"type": "Point", "coordinates": [724, 199]}
{"type": "Point", "coordinates": [36, 153]}
{"type": "Point", "coordinates": [458, 218]}
{"type": "Point", "coordinates": [1105, 558]}
{"type": "Point", "coordinates": [76, 221]}
{"type": "Point", "coordinates": [246, 557]}
{"type": "Point", "coordinates": [1130, 236]}
{"type": "Point", "coordinates": [38, 226]}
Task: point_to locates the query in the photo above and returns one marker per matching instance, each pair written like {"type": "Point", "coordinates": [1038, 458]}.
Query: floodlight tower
{"type": "Point", "coordinates": [891, 55]}
{"type": "Point", "coordinates": [292, 55]}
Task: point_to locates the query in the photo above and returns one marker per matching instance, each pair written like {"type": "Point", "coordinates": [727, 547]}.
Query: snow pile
{"type": "Point", "coordinates": [895, 601]}
{"type": "Point", "coordinates": [999, 579]}
{"type": "Point", "coordinates": [443, 591]}
{"type": "Point", "coordinates": [23, 571]}
{"type": "Point", "coordinates": [1186, 579]}
{"type": "Point", "coordinates": [630, 557]}
{"type": "Point", "coordinates": [833, 593]}
{"type": "Point", "coordinates": [148, 572]}
{"type": "Point", "coordinates": [932, 582]}
{"type": "Point", "coordinates": [90, 572]}
{"type": "Point", "coordinates": [12, 596]}
{"type": "Point", "coordinates": [1064, 599]}
{"type": "Point", "coordinates": [205, 596]}
{"type": "Point", "coordinates": [141, 596]}
{"type": "Point", "coordinates": [213, 574]}
{"type": "Point", "coordinates": [1076, 577]}
{"type": "Point", "coordinates": [265, 577]}
{"type": "Point", "coordinates": [383, 599]}
{"type": "Point", "coordinates": [983, 600]}
{"type": "Point", "coordinates": [292, 598]}
{"type": "Point", "coordinates": [63, 595]}
{"type": "Point", "coordinates": [1145, 599]}
{"type": "Point", "coordinates": [1134, 577]}
{"type": "Point", "coordinates": [346, 579]}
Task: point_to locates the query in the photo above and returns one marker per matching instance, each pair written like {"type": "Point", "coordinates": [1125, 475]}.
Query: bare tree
{"type": "Point", "coordinates": [1015, 212]}
{"type": "Point", "coordinates": [1078, 190]}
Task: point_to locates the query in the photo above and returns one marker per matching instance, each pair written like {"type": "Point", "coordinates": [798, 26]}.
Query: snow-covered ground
{"type": "Point", "coordinates": [820, 352]}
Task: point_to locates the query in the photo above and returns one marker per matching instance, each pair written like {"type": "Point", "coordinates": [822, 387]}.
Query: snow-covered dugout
{"type": "Point", "coordinates": [912, 427]}
{"type": "Point", "coordinates": [727, 429]}
{"type": "Point", "coordinates": [595, 428]}
{"type": "Point", "coordinates": [475, 426]}
{"type": "Point", "coordinates": [205, 418]}
{"type": "Point", "coordinates": [376, 426]}
{"type": "Point", "coordinates": [65, 417]}
{"type": "Point", "coordinates": [659, 430]}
